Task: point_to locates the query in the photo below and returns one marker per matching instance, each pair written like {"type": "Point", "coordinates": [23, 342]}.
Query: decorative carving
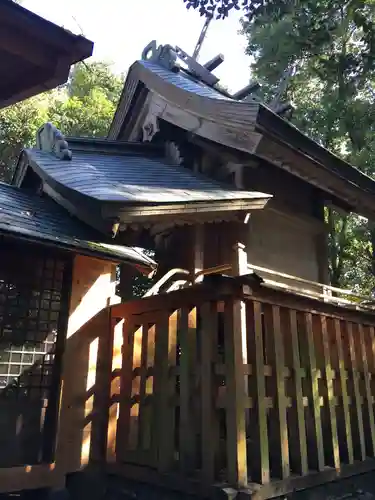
{"type": "Point", "coordinates": [51, 140]}
{"type": "Point", "coordinates": [150, 127]}
{"type": "Point", "coordinates": [232, 171]}
{"type": "Point", "coordinates": [166, 56]}
{"type": "Point", "coordinates": [173, 153]}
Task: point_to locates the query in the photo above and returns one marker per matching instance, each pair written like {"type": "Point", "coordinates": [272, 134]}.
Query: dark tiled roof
{"type": "Point", "coordinates": [184, 81]}
{"type": "Point", "coordinates": [130, 177]}
{"type": "Point", "coordinates": [40, 219]}
{"type": "Point", "coordinates": [345, 184]}
{"type": "Point", "coordinates": [271, 122]}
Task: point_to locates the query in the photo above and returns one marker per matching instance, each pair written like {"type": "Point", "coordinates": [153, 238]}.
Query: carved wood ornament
{"type": "Point", "coordinates": [51, 140]}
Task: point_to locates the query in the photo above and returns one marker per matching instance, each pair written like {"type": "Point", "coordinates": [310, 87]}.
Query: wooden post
{"type": "Point", "coordinates": [258, 392]}
{"type": "Point", "coordinates": [302, 467]}
{"type": "Point", "coordinates": [357, 406]}
{"type": "Point", "coordinates": [239, 267]}
{"type": "Point", "coordinates": [344, 392]}
{"type": "Point", "coordinates": [313, 390]}
{"type": "Point", "coordinates": [367, 381]}
{"type": "Point", "coordinates": [209, 421]}
{"type": "Point", "coordinates": [239, 259]}
{"type": "Point", "coordinates": [198, 252]}
{"type": "Point", "coordinates": [236, 395]}
{"type": "Point", "coordinates": [188, 340]}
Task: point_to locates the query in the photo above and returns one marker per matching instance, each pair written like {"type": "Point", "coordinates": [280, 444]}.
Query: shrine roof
{"type": "Point", "coordinates": [39, 219]}
{"type": "Point", "coordinates": [171, 87]}
{"type": "Point", "coordinates": [105, 181]}
{"type": "Point", "coordinates": [133, 173]}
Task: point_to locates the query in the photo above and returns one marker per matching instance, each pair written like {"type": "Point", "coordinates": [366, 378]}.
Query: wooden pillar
{"type": "Point", "coordinates": [239, 259]}
{"type": "Point", "coordinates": [322, 257]}
{"type": "Point", "coordinates": [237, 395]}
{"type": "Point", "coordinates": [197, 263]}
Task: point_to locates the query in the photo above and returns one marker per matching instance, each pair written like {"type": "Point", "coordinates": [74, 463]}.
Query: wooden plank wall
{"type": "Point", "coordinates": [303, 402]}
{"type": "Point", "coordinates": [88, 352]}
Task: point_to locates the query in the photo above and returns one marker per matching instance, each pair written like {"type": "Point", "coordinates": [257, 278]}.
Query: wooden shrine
{"type": "Point", "coordinates": [241, 373]}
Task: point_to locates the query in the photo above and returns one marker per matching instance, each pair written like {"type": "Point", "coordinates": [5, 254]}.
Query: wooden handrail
{"type": "Point", "coordinates": [251, 267]}
{"type": "Point", "coordinates": [154, 290]}
{"type": "Point", "coordinates": [156, 287]}
{"type": "Point", "coordinates": [307, 282]}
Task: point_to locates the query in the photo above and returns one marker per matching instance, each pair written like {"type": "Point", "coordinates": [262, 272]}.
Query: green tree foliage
{"type": "Point", "coordinates": [329, 48]}
{"type": "Point", "coordinates": [84, 106]}
{"type": "Point", "coordinates": [18, 127]}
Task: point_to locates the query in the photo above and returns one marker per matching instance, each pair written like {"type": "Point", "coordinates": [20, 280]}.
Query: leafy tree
{"type": "Point", "coordinates": [328, 47]}
{"type": "Point", "coordinates": [86, 104]}
{"type": "Point", "coordinates": [83, 107]}
{"type": "Point", "coordinates": [18, 126]}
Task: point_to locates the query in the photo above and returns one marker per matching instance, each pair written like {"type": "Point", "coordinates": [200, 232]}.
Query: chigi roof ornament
{"type": "Point", "coordinates": [169, 57]}
{"type": "Point", "coordinates": [51, 140]}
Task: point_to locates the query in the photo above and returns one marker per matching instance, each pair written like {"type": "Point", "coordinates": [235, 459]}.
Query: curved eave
{"type": "Point", "coordinates": [272, 124]}
{"type": "Point", "coordinates": [248, 128]}
{"type": "Point", "coordinates": [104, 215]}
{"type": "Point", "coordinates": [223, 120]}
{"type": "Point", "coordinates": [91, 249]}
{"type": "Point", "coordinates": [84, 207]}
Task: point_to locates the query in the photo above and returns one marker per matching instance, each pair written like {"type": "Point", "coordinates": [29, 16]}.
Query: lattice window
{"type": "Point", "coordinates": [34, 288]}
{"type": "Point", "coordinates": [31, 288]}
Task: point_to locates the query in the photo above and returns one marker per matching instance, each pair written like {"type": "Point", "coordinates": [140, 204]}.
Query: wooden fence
{"type": "Point", "coordinates": [242, 386]}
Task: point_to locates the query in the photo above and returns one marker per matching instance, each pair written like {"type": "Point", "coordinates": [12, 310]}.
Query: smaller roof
{"type": "Point", "coordinates": [35, 54]}
{"type": "Point", "coordinates": [104, 182]}
{"type": "Point", "coordinates": [40, 219]}
{"type": "Point", "coordinates": [129, 177]}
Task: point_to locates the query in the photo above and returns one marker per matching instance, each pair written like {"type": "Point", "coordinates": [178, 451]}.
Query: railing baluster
{"type": "Point", "coordinates": [328, 378]}
{"type": "Point", "coordinates": [188, 319]}
{"type": "Point", "coordinates": [280, 400]}
{"type": "Point", "coordinates": [210, 431]}
{"type": "Point", "coordinates": [367, 382]}
{"type": "Point", "coordinates": [115, 389]}
{"type": "Point", "coordinates": [298, 395]}
{"type": "Point", "coordinates": [344, 392]}
{"type": "Point", "coordinates": [136, 388]}
{"type": "Point", "coordinates": [357, 395]}
{"type": "Point", "coordinates": [146, 386]}
{"type": "Point", "coordinates": [166, 338]}
{"type": "Point", "coordinates": [142, 386]}
{"type": "Point", "coordinates": [235, 390]}
{"type": "Point", "coordinates": [314, 399]}
{"type": "Point", "coordinates": [126, 382]}
{"type": "Point", "coordinates": [257, 389]}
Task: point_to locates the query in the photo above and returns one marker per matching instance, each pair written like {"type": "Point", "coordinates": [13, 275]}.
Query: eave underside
{"type": "Point", "coordinates": [35, 55]}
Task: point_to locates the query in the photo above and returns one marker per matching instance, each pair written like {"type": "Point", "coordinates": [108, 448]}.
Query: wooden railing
{"type": "Point", "coordinates": [276, 279]}
{"type": "Point", "coordinates": [241, 385]}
